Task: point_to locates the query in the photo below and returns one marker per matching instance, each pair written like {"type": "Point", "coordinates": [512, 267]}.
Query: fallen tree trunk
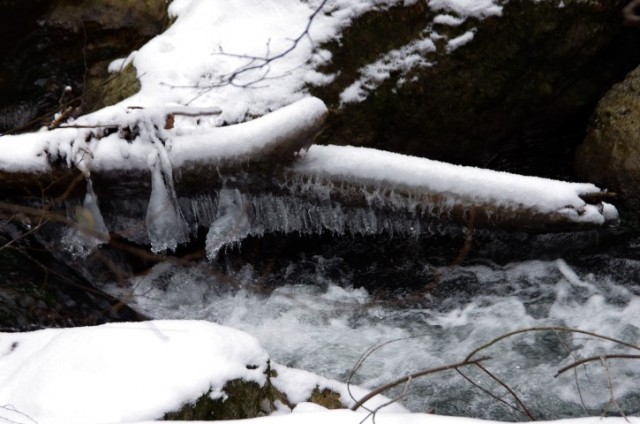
{"type": "Point", "coordinates": [254, 178]}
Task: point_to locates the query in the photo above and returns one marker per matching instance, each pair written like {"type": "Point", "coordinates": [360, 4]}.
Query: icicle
{"type": "Point", "coordinates": [90, 230]}
{"type": "Point", "coordinates": [231, 224]}
{"type": "Point", "coordinates": [165, 224]}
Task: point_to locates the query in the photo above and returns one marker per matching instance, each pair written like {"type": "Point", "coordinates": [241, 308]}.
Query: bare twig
{"type": "Point", "coordinates": [487, 392]}
{"type": "Point", "coordinates": [373, 413]}
{"type": "Point", "coordinates": [257, 62]}
{"type": "Point", "coordinates": [558, 329]}
{"type": "Point", "coordinates": [594, 359]}
{"type": "Point", "coordinates": [612, 397]}
{"type": "Point", "coordinates": [361, 360]}
{"type": "Point", "coordinates": [415, 375]}
{"type": "Point", "coordinates": [511, 392]}
{"type": "Point", "coordinates": [575, 371]}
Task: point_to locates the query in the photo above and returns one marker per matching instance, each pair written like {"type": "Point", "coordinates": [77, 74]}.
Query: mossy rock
{"type": "Point", "coordinates": [148, 16]}
{"type": "Point", "coordinates": [243, 399]}
{"type": "Point", "coordinates": [327, 398]}
{"type": "Point", "coordinates": [523, 88]}
{"type": "Point", "coordinates": [105, 89]}
{"type": "Point", "coordinates": [70, 46]}
{"type": "Point", "coordinates": [610, 154]}
{"type": "Point", "coordinates": [247, 399]}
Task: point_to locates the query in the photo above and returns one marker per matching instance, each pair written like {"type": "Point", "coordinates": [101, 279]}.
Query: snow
{"type": "Point", "coordinates": [122, 372]}
{"type": "Point", "coordinates": [476, 184]}
{"type": "Point", "coordinates": [405, 59]}
{"type": "Point", "coordinates": [136, 372]}
{"type": "Point", "coordinates": [237, 67]}
{"type": "Point", "coordinates": [448, 20]}
{"type": "Point", "coordinates": [187, 144]}
{"type": "Point", "coordinates": [349, 417]}
{"type": "Point", "coordinates": [232, 62]}
{"type": "Point", "coordinates": [117, 373]}
{"type": "Point", "coordinates": [460, 41]}
{"type": "Point", "coordinates": [468, 8]}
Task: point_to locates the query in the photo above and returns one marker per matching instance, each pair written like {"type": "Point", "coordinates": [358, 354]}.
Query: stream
{"type": "Point", "coordinates": [319, 304]}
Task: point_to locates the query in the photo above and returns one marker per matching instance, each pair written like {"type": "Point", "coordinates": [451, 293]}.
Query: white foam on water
{"type": "Point", "coordinates": [323, 327]}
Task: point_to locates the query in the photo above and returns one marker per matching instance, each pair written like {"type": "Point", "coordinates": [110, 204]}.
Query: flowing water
{"type": "Point", "coordinates": [320, 283]}
{"type": "Point", "coordinates": [320, 309]}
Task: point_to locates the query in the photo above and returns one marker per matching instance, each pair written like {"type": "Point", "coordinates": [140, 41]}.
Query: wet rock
{"type": "Point", "coordinates": [516, 98]}
{"type": "Point", "coordinates": [38, 292]}
{"type": "Point", "coordinates": [610, 153]}
{"type": "Point", "coordinates": [55, 44]}
{"type": "Point", "coordinates": [242, 399]}
{"type": "Point", "coordinates": [247, 399]}
{"type": "Point", "coordinates": [327, 398]}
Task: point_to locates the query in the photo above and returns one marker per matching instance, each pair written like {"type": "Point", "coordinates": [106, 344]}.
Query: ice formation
{"type": "Point", "coordinates": [89, 230]}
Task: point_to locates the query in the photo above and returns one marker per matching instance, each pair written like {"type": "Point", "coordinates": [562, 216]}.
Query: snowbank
{"type": "Point", "coordinates": [136, 372]}
{"type": "Point", "coordinates": [124, 372]}
{"type": "Point", "coordinates": [314, 416]}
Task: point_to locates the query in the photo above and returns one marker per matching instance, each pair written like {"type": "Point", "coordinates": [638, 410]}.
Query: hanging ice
{"type": "Point", "coordinates": [231, 224]}
{"type": "Point", "coordinates": [165, 224]}
{"type": "Point", "coordinates": [90, 230]}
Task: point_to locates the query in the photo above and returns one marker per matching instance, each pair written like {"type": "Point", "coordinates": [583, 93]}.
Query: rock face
{"type": "Point", "coordinates": [610, 154]}
{"type": "Point", "coordinates": [243, 400]}
{"type": "Point", "coordinates": [36, 292]}
{"type": "Point", "coordinates": [516, 98]}
{"type": "Point", "coordinates": [51, 44]}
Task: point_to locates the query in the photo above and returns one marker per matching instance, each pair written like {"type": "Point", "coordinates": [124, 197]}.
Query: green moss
{"type": "Point", "coordinates": [537, 63]}
{"type": "Point", "coordinates": [149, 15]}
{"type": "Point", "coordinates": [109, 89]}
{"type": "Point", "coordinates": [243, 400]}
{"type": "Point", "coordinates": [368, 37]}
{"type": "Point", "coordinates": [327, 398]}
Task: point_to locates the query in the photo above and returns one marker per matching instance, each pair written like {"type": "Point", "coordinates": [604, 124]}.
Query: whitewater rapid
{"type": "Point", "coordinates": [316, 320]}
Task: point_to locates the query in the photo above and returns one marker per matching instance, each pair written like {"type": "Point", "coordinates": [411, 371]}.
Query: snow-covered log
{"type": "Point", "coordinates": [118, 146]}
{"type": "Point", "coordinates": [254, 178]}
{"type": "Point", "coordinates": [464, 195]}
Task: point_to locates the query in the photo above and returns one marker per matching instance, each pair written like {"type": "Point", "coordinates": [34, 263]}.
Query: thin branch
{"type": "Point", "coordinates": [575, 372]}
{"type": "Point", "coordinates": [257, 62]}
{"type": "Point", "coordinates": [559, 329]}
{"type": "Point", "coordinates": [511, 392]}
{"type": "Point", "coordinates": [612, 397]}
{"type": "Point", "coordinates": [373, 413]}
{"type": "Point", "coordinates": [594, 359]}
{"type": "Point", "coordinates": [486, 391]}
{"type": "Point", "coordinates": [415, 375]}
{"type": "Point", "coordinates": [361, 360]}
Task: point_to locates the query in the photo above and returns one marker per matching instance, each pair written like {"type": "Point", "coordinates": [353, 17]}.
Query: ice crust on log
{"type": "Point", "coordinates": [339, 189]}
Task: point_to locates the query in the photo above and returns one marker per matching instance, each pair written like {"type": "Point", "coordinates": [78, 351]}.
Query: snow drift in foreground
{"type": "Point", "coordinates": [124, 372]}
{"type": "Point", "coordinates": [136, 372]}
{"type": "Point", "coordinates": [313, 416]}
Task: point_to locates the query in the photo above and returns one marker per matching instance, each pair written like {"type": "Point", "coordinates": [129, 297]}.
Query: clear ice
{"type": "Point", "coordinates": [90, 230]}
